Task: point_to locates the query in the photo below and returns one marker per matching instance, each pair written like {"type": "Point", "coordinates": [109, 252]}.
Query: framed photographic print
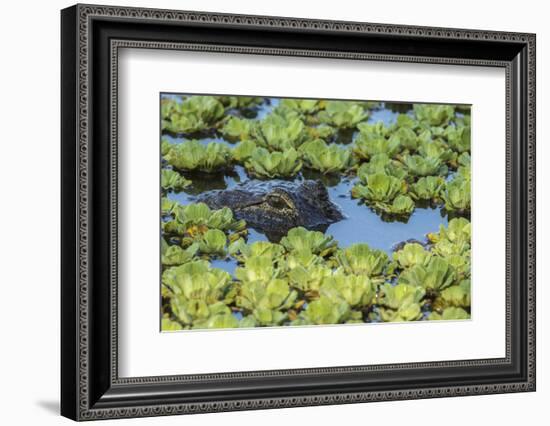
{"type": "Point", "coordinates": [263, 212]}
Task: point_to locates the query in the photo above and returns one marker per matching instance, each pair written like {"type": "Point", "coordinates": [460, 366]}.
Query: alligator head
{"type": "Point", "coordinates": [273, 207]}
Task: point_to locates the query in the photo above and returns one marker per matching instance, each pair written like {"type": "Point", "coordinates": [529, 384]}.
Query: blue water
{"type": "Point", "coordinates": [361, 225]}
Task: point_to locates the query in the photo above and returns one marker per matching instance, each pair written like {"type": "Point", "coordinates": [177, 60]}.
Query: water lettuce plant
{"type": "Point", "coordinates": [325, 158]}
{"type": "Point", "coordinates": [243, 151]}
{"type": "Point", "coordinates": [404, 137]}
{"type": "Point", "coordinates": [324, 310]}
{"type": "Point", "coordinates": [194, 114]}
{"type": "Point", "coordinates": [242, 251]}
{"type": "Point", "coordinates": [402, 205]}
{"type": "Point", "coordinates": [236, 128]}
{"type": "Point", "coordinates": [424, 166]}
{"type": "Point", "coordinates": [378, 187]}
{"type": "Point", "coordinates": [458, 138]}
{"type": "Point", "coordinates": [428, 188]}
{"type": "Point", "coordinates": [309, 279]}
{"type": "Point", "coordinates": [412, 254]}
{"type": "Point", "coordinates": [451, 313]}
{"type": "Point", "coordinates": [198, 218]}
{"type": "Point", "coordinates": [306, 106]}
{"type": "Point", "coordinates": [173, 255]}
{"type": "Point", "coordinates": [194, 156]}
{"type": "Point", "coordinates": [172, 180]}
{"type": "Point", "coordinates": [265, 164]}
{"type": "Point", "coordinates": [213, 242]}
{"type": "Point", "coordinates": [257, 268]}
{"type": "Point", "coordinates": [360, 259]}
{"type": "Point", "coordinates": [277, 133]}
{"type": "Point", "coordinates": [315, 242]}
{"type": "Point", "coordinates": [367, 145]}
{"type": "Point", "coordinates": [436, 275]}
{"type": "Point", "coordinates": [239, 102]}
{"type": "Point", "coordinates": [266, 302]}
{"type": "Point", "coordinates": [457, 296]}
{"type": "Point", "coordinates": [457, 195]}
{"type": "Point", "coordinates": [357, 290]}
{"type": "Point", "coordinates": [401, 302]}
{"type": "Point", "coordinates": [381, 164]}
{"type": "Point", "coordinates": [343, 114]}
{"type": "Point", "coordinates": [434, 115]}
{"type": "Point", "coordinates": [198, 291]}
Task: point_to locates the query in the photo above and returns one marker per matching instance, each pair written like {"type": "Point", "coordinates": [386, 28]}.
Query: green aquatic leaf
{"type": "Point", "coordinates": [400, 302]}
{"type": "Point", "coordinates": [428, 188]}
{"type": "Point", "coordinates": [265, 164]}
{"type": "Point", "coordinates": [236, 128]}
{"type": "Point", "coordinates": [457, 195]}
{"type": "Point", "coordinates": [436, 275]}
{"type": "Point", "coordinates": [325, 158]}
{"type": "Point", "coordinates": [451, 313]}
{"type": "Point", "coordinates": [172, 180]}
{"type": "Point", "coordinates": [404, 137]}
{"type": "Point", "coordinates": [218, 320]}
{"type": "Point", "coordinates": [457, 295]}
{"type": "Point", "coordinates": [322, 131]}
{"type": "Point", "coordinates": [459, 230]}
{"type": "Point", "coordinates": [194, 114]}
{"type": "Point", "coordinates": [200, 215]}
{"type": "Point", "coordinates": [239, 102]}
{"type": "Point", "coordinates": [325, 310]}
{"type": "Point", "coordinates": [343, 114]}
{"type": "Point", "coordinates": [242, 251]}
{"type": "Point", "coordinates": [267, 302]}
{"type": "Point", "coordinates": [243, 151]}
{"type": "Point", "coordinates": [169, 325]}
{"type": "Point", "coordinates": [459, 138]}
{"type": "Point", "coordinates": [412, 254]}
{"type": "Point", "coordinates": [381, 164]}
{"type": "Point", "coordinates": [194, 156]}
{"type": "Point", "coordinates": [405, 120]}
{"type": "Point", "coordinates": [402, 205]}
{"type": "Point", "coordinates": [367, 145]}
{"type": "Point", "coordinates": [379, 187]}
{"type": "Point", "coordinates": [175, 255]}
{"type": "Point", "coordinates": [277, 133]}
{"type": "Point", "coordinates": [302, 257]}
{"type": "Point", "coordinates": [257, 268]}
{"type": "Point", "coordinates": [375, 129]}
{"type": "Point", "coordinates": [357, 290]}
{"type": "Point", "coordinates": [314, 241]}
{"type": "Point", "coordinates": [308, 279]}
{"type": "Point", "coordinates": [305, 106]}
{"type": "Point", "coordinates": [424, 166]}
{"type": "Point", "coordinates": [434, 115]}
{"type": "Point", "coordinates": [360, 259]}
{"type": "Point", "coordinates": [165, 146]}
{"type": "Point", "coordinates": [436, 150]}
{"type": "Point", "coordinates": [213, 242]}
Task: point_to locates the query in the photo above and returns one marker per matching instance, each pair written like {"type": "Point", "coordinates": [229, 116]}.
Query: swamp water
{"type": "Point", "coordinates": [361, 223]}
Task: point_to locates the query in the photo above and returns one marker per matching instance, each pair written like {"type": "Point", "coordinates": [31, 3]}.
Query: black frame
{"type": "Point", "coordinates": [91, 37]}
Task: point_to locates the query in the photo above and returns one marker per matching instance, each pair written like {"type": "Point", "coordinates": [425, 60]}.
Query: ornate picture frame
{"type": "Point", "coordinates": [91, 38]}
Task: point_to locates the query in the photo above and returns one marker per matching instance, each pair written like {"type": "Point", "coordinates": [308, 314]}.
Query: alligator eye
{"type": "Point", "coordinates": [277, 202]}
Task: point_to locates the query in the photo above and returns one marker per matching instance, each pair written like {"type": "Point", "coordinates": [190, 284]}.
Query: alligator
{"type": "Point", "coordinates": [274, 207]}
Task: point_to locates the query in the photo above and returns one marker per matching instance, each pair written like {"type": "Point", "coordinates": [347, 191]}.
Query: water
{"type": "Point", "coordinates": [361, 224]}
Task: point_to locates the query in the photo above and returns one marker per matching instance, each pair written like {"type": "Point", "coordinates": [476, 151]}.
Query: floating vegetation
{"type": "Point", "coordinates": [254, 193]}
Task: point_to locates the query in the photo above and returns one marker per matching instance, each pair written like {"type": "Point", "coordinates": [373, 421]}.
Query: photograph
{"type": "Point", "coordinates": [279, 211]}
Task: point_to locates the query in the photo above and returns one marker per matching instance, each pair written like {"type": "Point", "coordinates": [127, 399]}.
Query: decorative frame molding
{"type": "Point", "coordinates": [87, 397]}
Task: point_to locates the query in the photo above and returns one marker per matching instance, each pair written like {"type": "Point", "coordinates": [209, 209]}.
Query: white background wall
{"type": "Point", "coordinates": [29, 211]}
